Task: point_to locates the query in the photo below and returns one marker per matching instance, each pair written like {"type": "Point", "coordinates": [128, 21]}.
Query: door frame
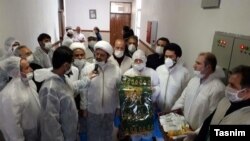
{"type": "Point", "coordinates": [130, 14]}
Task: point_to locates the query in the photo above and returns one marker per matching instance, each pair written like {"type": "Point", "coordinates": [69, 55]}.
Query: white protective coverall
{"type": "Point", "coordinates": [4, 78]}
{"type": "Point", "coordinates": [102, 101]}
{"type": "Point", "coordinates": [8, 51]}
{"type": "Point", "coordinates": [172, 83]}
{"type": "Point", "coordinates": [9, 48]}
{"type": "Point", "coordinates": [59, 115]}
{"type": "Point", "coordinates": [155, 83]}
{"type": "Point", "coordinates": [67, 41]}
{"type": "Point", "coordinates": [89, 55]}
{"type": "Point", "coordinates": [199, 100]}
{"type": "Point", "coordinates": [75, 74]}
{"type": "Point", "coordinates": [20, 107]}
{"type": "Point", "coordinates": [125, 65]}
{"type": "Point", "coordinates": [42, 58]}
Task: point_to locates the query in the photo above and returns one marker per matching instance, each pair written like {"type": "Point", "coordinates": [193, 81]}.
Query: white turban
{"type": "Point", "coordinates": [77, 45]}
{"type": "Point", "coordinates": [139, 54]}
{"type": "Point", "coordinates": [70, 31]}
{"type": "Point", "coordinates": [104, 45]}
{"type": "Point", "coordinates": [68, 27]}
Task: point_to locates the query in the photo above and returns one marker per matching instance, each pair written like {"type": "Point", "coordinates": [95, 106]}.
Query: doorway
{"type": "Point", "coordinates": [120, 15]}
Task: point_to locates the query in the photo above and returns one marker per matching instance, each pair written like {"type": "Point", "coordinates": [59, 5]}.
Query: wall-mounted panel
{"type": "Point", "coordinates": [241, 53]}
{"type": "Point", "coordinates": [222, 48]}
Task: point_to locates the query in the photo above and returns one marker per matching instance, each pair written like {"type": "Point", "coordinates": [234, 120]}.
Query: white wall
{"type": "Point", "coordinates": [193, 28]}
{"type": "Point", "coordinates": [26, 19]}
{"type": "Point", "coordinates": [77, 13]}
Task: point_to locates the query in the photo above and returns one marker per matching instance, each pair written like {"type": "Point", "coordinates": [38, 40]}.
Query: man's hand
{"type": "Point", "coordinates": [83, 113]}
{"type": "Point", "coordinates": [190, 136]}
{"type": "Point", "coordinates": [152, 88]}
{"type": "Point", "coordinates": [118, 112]}
{"type": "Point", "coordinates": [91, 75]}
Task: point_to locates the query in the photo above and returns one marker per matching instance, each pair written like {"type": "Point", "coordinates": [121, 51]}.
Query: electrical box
{"type": "Point", "coordinates": [222, 48]}
{"type": "Point", "coordinates": [231, 50]}
{"type": "Point", "coordinates": [152, 32]}
{"type": "Point", "coordinates": [241, 52]}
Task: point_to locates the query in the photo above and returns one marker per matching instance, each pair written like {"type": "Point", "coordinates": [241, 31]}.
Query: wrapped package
{"type": "Point", "coordinates": [136, 105]}
{"type": "Point", "coordinates": [174, 125]}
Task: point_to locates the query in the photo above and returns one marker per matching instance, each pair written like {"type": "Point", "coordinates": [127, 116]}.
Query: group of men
{"type": "Point", "coordinates": [38, 90]}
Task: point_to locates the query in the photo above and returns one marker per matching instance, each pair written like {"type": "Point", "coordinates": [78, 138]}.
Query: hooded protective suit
{"type": "Point", "coordinates": [172, 83]}
{"type": "Point", "coordinates": [155, 83]}
{"type": "Point", "coordinates": [9, 48]}
{"type": "Point", "coordinates": [3, 78]}
{"type": "Point", "coordinates": [67, 41]}
{"type": "Point", "coordinates": [20, 107]}
{"type": "Point", "coordinates": [42, 58]}
{"type": "Point", "coordinates": [59, 114]}
{"type": "Point", "coordinates": [198, 100]}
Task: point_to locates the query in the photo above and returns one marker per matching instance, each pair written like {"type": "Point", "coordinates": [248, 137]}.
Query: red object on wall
{"type": "Point", "coordinates": [149, 30]}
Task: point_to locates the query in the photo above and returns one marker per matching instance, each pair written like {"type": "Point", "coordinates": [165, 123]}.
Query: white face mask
{"type": "Point", "coordinates": [169, 62]}
{"type": "Point", "coordinates": [233, 95]}
{"type": "Point", "coordinates": [30, 58]}
{"type": "Point", "coordinates": [131, 48]}
{"type": "Point", "coordinates": [101, 64]}
{"type": "Point", "coordinates": [198, 74]}
{"type": "Point", "coordinates": [159, 50]}
{"type": "Point", "coordinates": [92, 44]}
{"type": "Point", "coordinates": [79, 62]}
{"type": "Point", "coordinates": [118, 53]}
{"type": "Point", "coordinates": [48, 45]}
{"type": "Point", "coordinates": [27, 77]}
{"type": "Point", "coordinates": [139, 67]}
{"type": "Point", "coordinates": [69, 71]}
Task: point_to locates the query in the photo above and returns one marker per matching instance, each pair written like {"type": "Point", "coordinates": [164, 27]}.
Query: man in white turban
{"type": "Point", "coordinates": [102, 94]}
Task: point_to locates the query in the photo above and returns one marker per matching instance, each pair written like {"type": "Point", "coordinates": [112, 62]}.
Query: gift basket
{"type": "Point", "coordinates": [173, 126]}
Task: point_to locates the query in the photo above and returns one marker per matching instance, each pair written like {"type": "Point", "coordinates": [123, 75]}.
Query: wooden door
{"type": "Point", "coordinates": [117, 21]}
